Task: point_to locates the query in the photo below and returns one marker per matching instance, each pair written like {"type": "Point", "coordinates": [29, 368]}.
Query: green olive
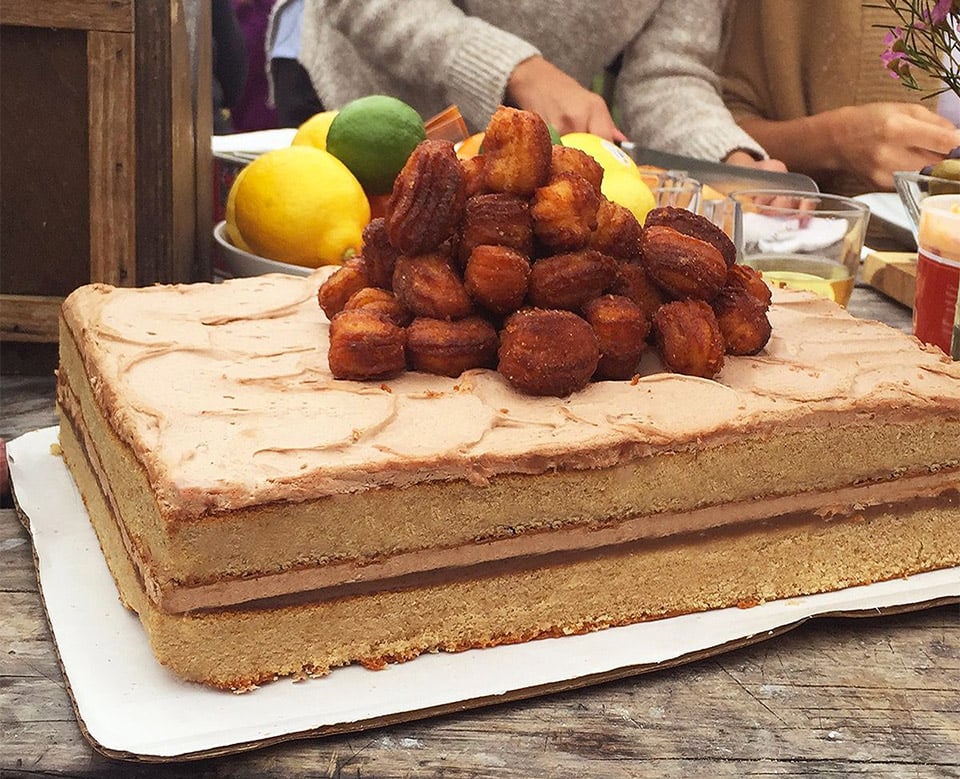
{"type": "Point", "coordinates": [946, 169]}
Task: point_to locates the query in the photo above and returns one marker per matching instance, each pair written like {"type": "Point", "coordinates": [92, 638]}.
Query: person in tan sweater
{"type": "Point", "coordinates": [806, 81]}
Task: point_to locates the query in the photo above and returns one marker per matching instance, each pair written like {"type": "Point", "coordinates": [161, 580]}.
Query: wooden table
{"type": "Point", "coordinates": [835, 697]}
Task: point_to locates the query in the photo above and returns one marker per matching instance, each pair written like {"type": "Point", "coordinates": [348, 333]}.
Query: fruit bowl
{"type": "Point", "coordinates": [238, 262]}
{"type": "Point", "coordinates": [914, 187]}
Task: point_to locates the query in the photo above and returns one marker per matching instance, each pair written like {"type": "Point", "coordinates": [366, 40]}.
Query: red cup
{"type": "Point", "coordinates": [938, 270]}
{"type": "Point", "coordinates": [938, 281]}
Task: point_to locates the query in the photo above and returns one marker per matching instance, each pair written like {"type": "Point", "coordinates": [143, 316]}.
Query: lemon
{"type": "Point", "coordinates": [313, 132]}
{"type": "Point", "coordinates": [230, 214]}
{"type": "Point", "coordinates": [610, 156]}
{"type": "Point", "coordinates": [629, 191]}
{"type": "Point", "coordinates": [373, 136]}
{"type": "Point", "coordinates": [300, 205]}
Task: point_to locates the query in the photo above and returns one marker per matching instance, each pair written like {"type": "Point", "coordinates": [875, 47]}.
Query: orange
{"type": "Point", "coordinates": [470, 147]}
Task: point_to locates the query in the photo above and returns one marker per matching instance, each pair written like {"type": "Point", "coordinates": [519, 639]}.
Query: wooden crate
{"type": "Point", "coordinates": [105, 161]}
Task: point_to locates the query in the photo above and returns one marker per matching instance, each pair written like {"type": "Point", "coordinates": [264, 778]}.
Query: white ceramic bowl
{"type": "Point", "coordinates": [241, 263]}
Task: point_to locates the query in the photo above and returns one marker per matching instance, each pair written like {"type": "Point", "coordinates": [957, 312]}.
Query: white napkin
{"type": "Point", "coordinates": [791, 236]}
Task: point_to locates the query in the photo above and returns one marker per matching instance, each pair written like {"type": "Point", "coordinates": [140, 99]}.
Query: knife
{"type": "Point", "coordinates": [722, 177]}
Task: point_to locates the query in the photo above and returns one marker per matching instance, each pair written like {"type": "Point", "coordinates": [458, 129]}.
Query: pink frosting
{"type": "Point", "coordinates": [241, 368]}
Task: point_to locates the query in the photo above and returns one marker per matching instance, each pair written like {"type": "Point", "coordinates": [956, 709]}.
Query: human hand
{"type": "Point", "coordinates": [747, 160]}
{"type": "Point", "coordinates": [537, 85]}
{"type": "Point", "coordinates": [876, 139]}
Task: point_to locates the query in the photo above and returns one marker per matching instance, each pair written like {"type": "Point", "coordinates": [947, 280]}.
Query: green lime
{"type": "Point", "coordinates": [373, 136]}
{"type": "Point", "coordinates": [554, 135]}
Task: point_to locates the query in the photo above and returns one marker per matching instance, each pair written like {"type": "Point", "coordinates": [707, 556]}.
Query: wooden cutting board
{"type": "Point", "coordinates": [892, 273]}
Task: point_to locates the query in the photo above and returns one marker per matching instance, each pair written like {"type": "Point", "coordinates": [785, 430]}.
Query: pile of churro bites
{"type": "Point", "coordinates": [514, 260]}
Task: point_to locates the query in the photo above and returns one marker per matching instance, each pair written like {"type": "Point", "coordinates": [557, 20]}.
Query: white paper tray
{"type": "Point", "coordinates": [131, 707]}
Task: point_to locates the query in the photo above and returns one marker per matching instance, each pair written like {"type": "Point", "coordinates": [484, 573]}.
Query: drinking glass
{"type": "Point", "coordinates": [801, 240]}
{"type": "Point", "coordinates": [672, 187]}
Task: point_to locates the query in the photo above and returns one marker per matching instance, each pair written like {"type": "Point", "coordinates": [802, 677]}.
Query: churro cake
{"type": "Point", "coordinates": [266, 519]}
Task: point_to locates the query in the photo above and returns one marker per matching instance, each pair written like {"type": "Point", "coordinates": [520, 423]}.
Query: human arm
{"type": "Point", "coordinates": [871, 141]}
{"type": "Point", "coordinates": [667, 90]}
{"type": "Point", "coordinates": [431, 45]}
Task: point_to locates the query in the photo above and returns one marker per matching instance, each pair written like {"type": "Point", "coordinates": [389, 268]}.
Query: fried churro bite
{"type": "Point", "coordinates": [364, 345]}
{"type": "Point", "coordinates": [520, 237]}
{"type": "Point", "coordinates": [473, 175]}
{"type": "Point", "coordinates": [564, 212]}
{"type": "Point", "coordinates": [428, 286]}
{"type": "Point", "coordinates": [689, 338]}
{"type": "Point", "coordinates": [617, 232]}
{"type": "Point", "coordinates": [696, 226]}
{"type": "Point", "coordinates": [497, 277]}
{"type": "Point", "coordinates": [350, 278]}
{"type": "Point", "coordinates": [566, 159]}
{"type": "Point", "coordinates": [569, 280]}
{"type": "Point", "coordinates": [428, 197]}
{"type": "Point", "coordinates": [381, 302]}
{"type": "Point", "coordinates": [449, 348]}
{"type": "Point", "coordinates": [378, 253]}
{"type": "Point", "coordinates": [741, 310]}
{"type": "Point", "coordinates": [547, 352]}
{"type": "Point", "coordinates": [496, 219]}
{"type": "Point", "coordinates": [633, 282]}
{"type": "Point", "coordinates": [681, 265]}
{"type": "Point", "coordinates": [742, 319]}
{"type": "Point", "coordinates": [621, 328]}
{"type": "Point", "coordinates": [517, 151]}
{"type": "Point", "coordinates": [751, 280]}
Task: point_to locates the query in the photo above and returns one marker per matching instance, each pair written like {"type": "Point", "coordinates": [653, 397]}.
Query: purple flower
{"type": "Point", "coordinates": [927, 39]}
{"type": "Point", "coordinates": [940, 10]}
{"type": "Point", "coordinates": [894, 58]}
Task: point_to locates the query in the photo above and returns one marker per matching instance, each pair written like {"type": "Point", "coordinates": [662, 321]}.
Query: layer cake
{"type": "Point", "coordinates": [265, 519]}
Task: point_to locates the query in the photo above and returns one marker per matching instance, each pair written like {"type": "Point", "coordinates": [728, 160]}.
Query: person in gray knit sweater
{"type": "Point", "coordinates": [540, 55]}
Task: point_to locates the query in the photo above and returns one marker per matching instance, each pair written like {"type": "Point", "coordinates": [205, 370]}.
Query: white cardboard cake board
{"type": "Point", "coordinates": [129, 706]}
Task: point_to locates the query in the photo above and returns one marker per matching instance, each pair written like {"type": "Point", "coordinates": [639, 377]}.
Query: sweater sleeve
{"type": "Point", "coordinates": [434, 44]}
{"type": "Point", "coordinates": [668, 90]}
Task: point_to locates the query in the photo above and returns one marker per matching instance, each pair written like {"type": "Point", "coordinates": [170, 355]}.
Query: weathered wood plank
{"type": "Point", "coordinates": [27, 404]}
{"type": "Point", "coordinates": [868, 303]}
{"type": "Point", "coordinates": [115, 15]}
{"type": "Point", "coordinates": [32, 318]}
{"type": "Point", "coordinates": [113, 205]}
